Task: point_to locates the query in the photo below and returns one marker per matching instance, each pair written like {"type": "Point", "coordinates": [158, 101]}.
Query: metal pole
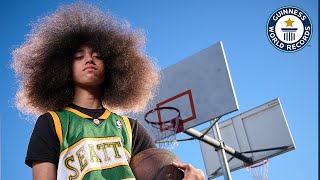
{"type": "Point", "coordinates": [222, 154]}
{"type": "Point", "coordinates": [207, 139]}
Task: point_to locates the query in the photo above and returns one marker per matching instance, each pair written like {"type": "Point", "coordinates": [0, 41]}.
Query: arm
{"type": "Point", "coordinates": [141, 139]}
{"type": "Point", "coordinates": [43, 150]}
{"type": "Point", "coordinates": [44, 144]}
{"type": "Point", "coordinates": [44, 170]}
{"type": "Point", "coordinates": [190, 173]}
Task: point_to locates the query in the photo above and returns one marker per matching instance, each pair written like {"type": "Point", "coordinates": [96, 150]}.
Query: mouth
{"type": "Point", "coordinates": [89, 68]}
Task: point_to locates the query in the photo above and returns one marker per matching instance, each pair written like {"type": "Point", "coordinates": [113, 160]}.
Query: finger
{"type": "Point", "coordinates": [177, 165]}
{"type": "Point", "coordinates": [182, 166]}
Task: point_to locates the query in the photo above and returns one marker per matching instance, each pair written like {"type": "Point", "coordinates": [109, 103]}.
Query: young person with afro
{"type": "Point", "coordinates": [77, 67]}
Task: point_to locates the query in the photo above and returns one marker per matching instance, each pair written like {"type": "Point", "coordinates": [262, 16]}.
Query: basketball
{"type": "Point", "coordinates": [155, 164]}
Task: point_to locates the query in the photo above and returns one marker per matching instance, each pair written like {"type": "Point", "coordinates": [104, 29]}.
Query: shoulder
{"type": "Point", "coordinates": [45, 118]}
{"type": "Point", "coordinates": [137, 127]}
{"type": "Point", "coordinates": [133, 122]}
{"type": "Point", "coordinates": [44, 125]}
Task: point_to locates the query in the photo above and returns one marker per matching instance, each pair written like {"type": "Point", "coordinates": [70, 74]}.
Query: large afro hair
{"type": "Point", "coordinates": [43, 62]}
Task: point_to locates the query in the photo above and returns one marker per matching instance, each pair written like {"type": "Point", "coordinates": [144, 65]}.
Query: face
{"type": "Point", "coordinates": [87, 67]}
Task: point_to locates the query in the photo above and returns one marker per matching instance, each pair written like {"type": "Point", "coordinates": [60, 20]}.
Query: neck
{"type": "Point", "coordinates": [89, 98]}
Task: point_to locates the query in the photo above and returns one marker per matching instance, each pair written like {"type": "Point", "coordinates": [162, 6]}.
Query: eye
{"type": "Point", "coordinates": [96, 56]}
{"type": "Point", "coordinates": [77, 57]}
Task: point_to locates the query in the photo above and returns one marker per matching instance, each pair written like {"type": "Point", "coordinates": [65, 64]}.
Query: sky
{"type": "Point", "coordinates": [175, 30]}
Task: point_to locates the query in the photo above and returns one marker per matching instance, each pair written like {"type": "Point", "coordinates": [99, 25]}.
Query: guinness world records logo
{"type": "Point", "coordinates": [289, 29]}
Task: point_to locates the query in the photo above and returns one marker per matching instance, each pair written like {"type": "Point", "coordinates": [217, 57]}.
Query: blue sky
{"type": "Point", "coordinates": [178, 29]}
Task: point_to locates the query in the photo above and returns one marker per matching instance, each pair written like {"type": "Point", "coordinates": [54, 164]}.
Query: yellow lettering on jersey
{"type": "Point", "coordinates": [67, 162]}
{"type": "Point", "coordinates": [81, 158]}
{"type": "Point", "coordinates": [115, 149]}
{"type": "Point", "coordinates": [93, 154]}
{"type": "Point", "coordinates": [103, 146]}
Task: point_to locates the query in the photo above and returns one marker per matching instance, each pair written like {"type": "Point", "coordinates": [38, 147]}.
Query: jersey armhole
{"type": "Point", "coordinates": [128, 127]}
{"type": "Point", "coordinates": [57, 125]}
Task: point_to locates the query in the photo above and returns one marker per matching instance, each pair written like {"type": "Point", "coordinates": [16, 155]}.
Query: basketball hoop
{"type": "Point", "coordinates": [167, 129]}
{"type": "Point", "coordinates": [259, 171]}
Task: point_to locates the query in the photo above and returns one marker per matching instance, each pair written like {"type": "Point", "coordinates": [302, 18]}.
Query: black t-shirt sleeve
{"type": "Point", "coordinates": [44, 144]}
{"type": "Point", "coordinates": [141, 139]}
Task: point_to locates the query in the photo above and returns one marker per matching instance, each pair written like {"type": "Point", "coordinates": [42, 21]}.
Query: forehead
{"type": "Point", "coordinates": [84, 48]}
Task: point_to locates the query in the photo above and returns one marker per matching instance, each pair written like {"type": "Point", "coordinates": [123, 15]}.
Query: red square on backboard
{"type": "Point", "coordinates": [187, 94]}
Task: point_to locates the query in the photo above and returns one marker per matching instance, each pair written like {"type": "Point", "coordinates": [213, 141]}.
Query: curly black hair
{"type": "Point", "coordinates": [43, 63]}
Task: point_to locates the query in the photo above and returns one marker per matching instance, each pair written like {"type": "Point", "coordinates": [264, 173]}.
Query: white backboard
{"type": "Point", "coordinates": [200, 86]}
{"type": "Point", "coordinates": [263, 127]}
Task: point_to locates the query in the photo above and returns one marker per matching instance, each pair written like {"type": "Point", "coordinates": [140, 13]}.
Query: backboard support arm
{"type": "Point", "coordinates": [216, 144]}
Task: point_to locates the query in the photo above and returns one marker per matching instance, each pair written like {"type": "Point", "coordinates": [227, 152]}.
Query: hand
{"type": "Point", "coordinates": [190, 173]}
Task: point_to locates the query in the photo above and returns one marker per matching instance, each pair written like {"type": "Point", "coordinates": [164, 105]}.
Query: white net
{"type": "Point", "coordinates": [259, 171]}
{"type": "Point", "coordinates": [168, 143]}
{"type": "Point", "coordinates": [167, 130]}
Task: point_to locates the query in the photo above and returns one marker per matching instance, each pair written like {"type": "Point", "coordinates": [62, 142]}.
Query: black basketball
{"type": "Point", "coordinates": [155, 164]}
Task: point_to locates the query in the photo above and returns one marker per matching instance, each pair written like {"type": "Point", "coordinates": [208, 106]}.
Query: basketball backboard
{"type": "Point", "coordinates": [264, 127]}
{"type": "Point", "coordinates": [200, 86]}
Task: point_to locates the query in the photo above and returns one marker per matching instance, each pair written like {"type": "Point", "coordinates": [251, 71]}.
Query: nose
{"type": "Point", "coordinates": [89, 60]}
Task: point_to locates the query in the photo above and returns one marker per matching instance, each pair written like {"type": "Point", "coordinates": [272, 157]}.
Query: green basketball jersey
{"type": "Point", "coordinates": [93, 150]}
